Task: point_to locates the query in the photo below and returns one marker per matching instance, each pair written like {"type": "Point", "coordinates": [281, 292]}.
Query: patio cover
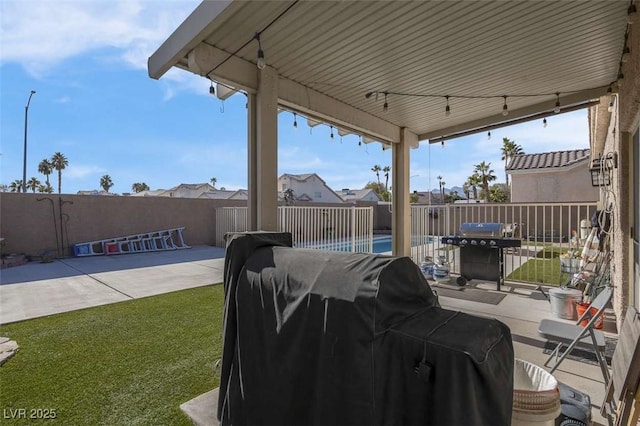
{"type": "Point", "coordinates": [316, 337]}
{"type": "Point", "coordinates": [340, 62]}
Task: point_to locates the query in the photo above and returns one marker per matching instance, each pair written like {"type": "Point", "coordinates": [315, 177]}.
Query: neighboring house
{"type": "Point", "coordinates": [561, 176]}
{"type": "Point", "coordinates": [150, 193]}
{"type": "Point", "coordinates": [353, 195]}
{"type": "Point", "coordinates": [184, 190]}
{"type": "Point", "coordinates": [224, 194]}
{"type": "Point", "coordinates": [307, 187]}
{"type": "Point", "coordinates": [96, 192]}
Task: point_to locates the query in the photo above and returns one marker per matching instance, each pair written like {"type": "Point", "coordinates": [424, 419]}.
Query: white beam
{"type": "Point", "coordinates": [235, 72]}
{"type": "Point", "coordinates": [319, 106]}
{"type": "Point", "coordinates": [205, 19]}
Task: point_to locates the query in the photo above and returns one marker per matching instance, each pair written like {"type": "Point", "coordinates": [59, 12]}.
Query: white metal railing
{"type": "Point", "coordinates": [539, 225]}
{"type": "Point", "coordinates": [328, 228]}
{"type": "Point", "coordinates": [230, 219]}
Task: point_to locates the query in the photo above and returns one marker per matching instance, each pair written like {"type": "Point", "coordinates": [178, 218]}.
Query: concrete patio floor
{"type": "Point", "coordinates": [37, 289]}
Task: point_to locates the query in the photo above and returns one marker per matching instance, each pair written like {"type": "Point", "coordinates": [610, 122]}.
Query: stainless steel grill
{"type": "Point", "coordinates": [481, 251]}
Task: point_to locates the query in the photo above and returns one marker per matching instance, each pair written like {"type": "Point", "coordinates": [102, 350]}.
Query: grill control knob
{"type": "Point", "coordinates": [492, 243]}
{"type": "Point", "coordinates": [449, 241]}
{"type": "Point", "coordinates": [483, 243]}
{"type": "Point", "coordinates": [474, 242]}
{"type": "Point", "coordinates": [463, 241]}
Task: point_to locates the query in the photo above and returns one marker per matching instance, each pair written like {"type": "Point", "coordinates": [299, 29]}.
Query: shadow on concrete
{"type": "Point", "coordinates": [75, 266]}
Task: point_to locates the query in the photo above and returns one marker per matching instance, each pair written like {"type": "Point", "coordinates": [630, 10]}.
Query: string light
{"type": "Point", "coordinates": [626, 53]}
{"type": "Point", "coordinates": [505, 106]}
{"type": "Point", "coordinates": [360, 141]}
{"type": "Point", "coordinates": [212, 90]}
{"type": "Point", "coordinates": [331, 135]}
{"type": "Point", "coordinates": [632, 14]}
{"type": "Point", "coordinates": [260, 63]}
{"type": "Point", "coordinates": [295, 120]}
{"type": "Point", "coordinates": [557, 107]}
{"type": "Point", "coordinates": [544, 122]}
{"type": "Point", "coordinates": [489, 136]}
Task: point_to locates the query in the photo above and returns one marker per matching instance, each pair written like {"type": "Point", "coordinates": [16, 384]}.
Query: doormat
{"type": "Point", "coordinates": [470, 294]}
{"type": "Point", "coordinates": [585, 355]}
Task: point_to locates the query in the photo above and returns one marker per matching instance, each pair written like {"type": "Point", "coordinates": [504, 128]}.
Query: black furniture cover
{"type": "Point", "coordinates": [328, 338]}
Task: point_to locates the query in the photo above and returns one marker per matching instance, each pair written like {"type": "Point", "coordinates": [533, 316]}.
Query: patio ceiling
{"type": "Point", "coordinates": [330, 54]}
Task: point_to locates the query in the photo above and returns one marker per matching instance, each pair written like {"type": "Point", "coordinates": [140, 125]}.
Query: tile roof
{"type": "Point", "coordinates": [548, 160]}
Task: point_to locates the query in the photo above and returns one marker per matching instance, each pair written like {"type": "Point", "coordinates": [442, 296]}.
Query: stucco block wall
{"type": "Point", "coordinates": [33, 227]}
{"type": "Point", "coordinates": [567, 186]}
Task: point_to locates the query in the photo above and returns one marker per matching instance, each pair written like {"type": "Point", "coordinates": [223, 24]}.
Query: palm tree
{"type": "Point", "coordinates": [474, 181]}
{"type": "Point", "coordinates": [33, 184]}
{"type": "Point", "coordinates": [46, 168]}
{"type": "Point", "coordinates": [213, 181]}
{"type": "Point", "coordinates": [376, 169]}
{"type": "Point", "coordinates": [59, 163]}
{"type": "Point", "coordinates": [139, 187]}
{"type": "Point", "coordinates": [440, 187]}
{"type": "Point", "coordinates": [509, 150]}
{"type": "Point", "coordinates": [106, 182]}
{"type": "Point", "coordinates": [4, 187]}
{"type": "Point", "coordinates": [16, 185]}
{"type": "Point", "coordinates": [466, 188]}
{"type": "Point", "coordinates": [386, 170]}
{"type": "Point", "coordinates": [486, 175]}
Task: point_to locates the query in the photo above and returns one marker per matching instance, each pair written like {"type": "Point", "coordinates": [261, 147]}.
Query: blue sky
{"type": "Point", "coordinates": [96, 104]}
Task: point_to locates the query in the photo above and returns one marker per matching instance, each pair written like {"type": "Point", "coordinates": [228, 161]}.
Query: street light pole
{"type": "Point", "coordinates": [24, 163]}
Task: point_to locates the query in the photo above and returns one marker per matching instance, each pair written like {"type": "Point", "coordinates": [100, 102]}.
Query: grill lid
{"type": "Point", "coordinates": [490, 230]}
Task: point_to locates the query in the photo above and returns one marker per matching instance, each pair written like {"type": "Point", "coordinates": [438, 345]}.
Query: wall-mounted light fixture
{"type": "Point", "coordinates": [601, 169]}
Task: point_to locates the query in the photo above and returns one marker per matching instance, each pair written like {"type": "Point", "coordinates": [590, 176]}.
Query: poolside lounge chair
{"type": "Point", "coordinates": [574, 335]}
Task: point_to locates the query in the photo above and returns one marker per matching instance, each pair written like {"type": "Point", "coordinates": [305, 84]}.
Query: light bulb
{"type": "Point", "coordinates": [447, 109]}
{"type": "Point", "coordinates": [212, 90]}
{"type": "Point", "coordinates": [261, 64]}
{"type": "Point", "coordinates": [488, 135]}
{"type": "Point", "coordinates": [632, 15]}
{"type": "Point", "coordinates": [331, 135]}
{"type": "Point", "coordinates": [544, 122]}
{"type": "Point", "coordinates": [557, 107]}
{"type": "Point", "coordinates": [505, 108]}
{"type": "Point", "coordinates": [295, 121]}
{"type": "Point", "coordinates": [626, 53]}
{"type": "Point", "coordinates": [385, 107]}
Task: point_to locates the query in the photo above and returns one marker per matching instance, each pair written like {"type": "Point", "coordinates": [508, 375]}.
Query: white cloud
{"type": "Point", "coordinates": [63, 100]}
{"type": "Point", "coordinates": [80, 171]}
{"type": "Point", "coordinates": [41, 34]}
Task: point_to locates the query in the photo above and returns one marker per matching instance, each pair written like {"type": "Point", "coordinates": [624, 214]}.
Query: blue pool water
{"type": "Point", "coordinates": [383, 244]}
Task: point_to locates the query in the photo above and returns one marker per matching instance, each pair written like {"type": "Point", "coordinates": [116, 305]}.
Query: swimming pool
{"type": "Point", "coordinates": [381, 244]}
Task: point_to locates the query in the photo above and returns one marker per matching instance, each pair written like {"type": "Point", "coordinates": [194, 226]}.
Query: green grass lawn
{"type": "Point", "coordinates": [127, 363]}
{"type": "Point", "coordinates": [544, 268]}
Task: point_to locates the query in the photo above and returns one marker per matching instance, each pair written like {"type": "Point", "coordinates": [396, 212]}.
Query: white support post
{"type": "Point", "coordinates": [401, 210]}
{"type": "Point", "coordinates": [263, 153]}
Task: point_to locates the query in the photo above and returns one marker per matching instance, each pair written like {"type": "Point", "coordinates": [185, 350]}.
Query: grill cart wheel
{"type": "Point", "coordinates": [461, 281]}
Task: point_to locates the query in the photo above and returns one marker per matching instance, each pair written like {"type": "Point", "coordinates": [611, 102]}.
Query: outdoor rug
{"type": "Point", "coordinates": [470, 294]}
{"type": "Point", "coordinates": [584, 355]}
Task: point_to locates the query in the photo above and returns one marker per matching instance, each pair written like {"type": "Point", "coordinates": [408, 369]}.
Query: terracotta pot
{"type": "Point", "coordinates": [581, 309]}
